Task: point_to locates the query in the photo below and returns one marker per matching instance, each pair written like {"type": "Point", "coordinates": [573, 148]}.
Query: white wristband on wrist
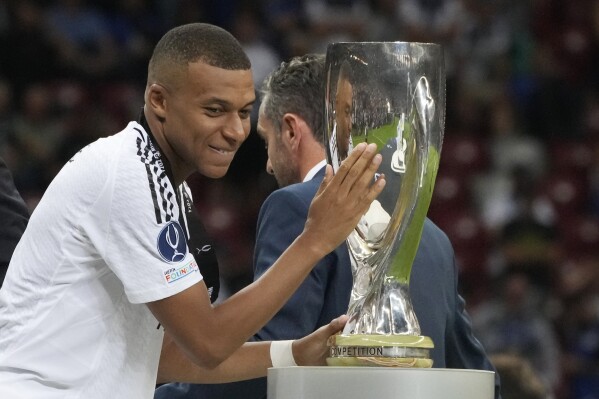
{"type": "Point", "coordinates": [281, 354]}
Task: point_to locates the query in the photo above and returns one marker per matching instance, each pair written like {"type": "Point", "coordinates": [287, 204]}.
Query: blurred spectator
{"type": "Point", "coordinates": [26, 53]}
{"type": "Point", "coordinates": [135, 26]}
{"type": "Point", "coordinates": [37, 132]}
{"type": "Point", "coordinates": [578, 326]}
{"type": "Point", "coordinates": [510, 145]}
{"type": "Point", "coordinates": [383, 24]}
{"type": "Point", "coordinates": [434, 21]}
{"type": "Point", "coordinates": [530, 247]}
{"type": "Point", "coordinates": [83, 125]}
{"type": "Point", "coordinates": [287, 22]}
{"type": "Point", "coordinates": [563, 41]}
{"type": "Point", "coordinates": [247, 28]}
{"type": "Point", "coordinates": [82, 40]}
{"type": "Point", "coordinates": [335, 21]}
{"type": "Point", "coordinates": [513, 323]}
{"type": "Point", "coordinates": [483, 43]}
{"type": "Point", "coordinates": [581, 352]}
{"type": "Point", "coordinates": [518, 162]}
{"type": "Point", "coordinates": [518, 379]}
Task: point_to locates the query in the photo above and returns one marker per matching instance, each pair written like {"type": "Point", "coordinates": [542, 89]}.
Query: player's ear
{"type": "Point", "coordinates": [156, 100]}
{"type": "Point", "coordinates": [292, 130]}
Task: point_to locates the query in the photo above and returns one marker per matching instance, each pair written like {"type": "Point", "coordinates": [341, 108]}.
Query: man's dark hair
{"type": "Point", "coordinates": [196, 42]}
{"type": "Point", "coordinates": [296, 87]}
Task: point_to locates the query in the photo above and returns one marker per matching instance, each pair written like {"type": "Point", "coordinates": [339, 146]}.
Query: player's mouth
{"type": "Point", "coordinates": [223, 151]}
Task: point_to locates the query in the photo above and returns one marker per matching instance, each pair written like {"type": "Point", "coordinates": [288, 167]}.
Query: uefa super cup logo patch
{"type": "Point", "coordinates": [172, 245]}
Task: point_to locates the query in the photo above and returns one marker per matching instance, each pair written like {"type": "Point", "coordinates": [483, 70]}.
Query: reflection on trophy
{"type": "Point", "coordinates": [391, 94]}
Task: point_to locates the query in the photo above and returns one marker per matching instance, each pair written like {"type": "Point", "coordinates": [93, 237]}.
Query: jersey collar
{"type": "Point", "coordinates": [167, 166]}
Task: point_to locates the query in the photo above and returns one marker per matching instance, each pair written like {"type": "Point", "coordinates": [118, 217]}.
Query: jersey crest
{"type": "Point", "coordinates": [172, 243]}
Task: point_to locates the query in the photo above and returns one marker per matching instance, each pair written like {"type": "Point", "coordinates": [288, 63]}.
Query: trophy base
{"type": "Point", "coordinates": [372, 350]}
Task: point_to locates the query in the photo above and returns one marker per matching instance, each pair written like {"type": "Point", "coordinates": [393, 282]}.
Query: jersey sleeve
{"type": "Point", "coordinates": [146, 246]}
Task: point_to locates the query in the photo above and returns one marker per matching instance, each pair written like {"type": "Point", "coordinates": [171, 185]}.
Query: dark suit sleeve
{"type": "Point", "coordinates": [281, 220]}
{"type": "Point", "coordinates": [14, 216]}
{"type": "Point", "coordinates": [440, 309]}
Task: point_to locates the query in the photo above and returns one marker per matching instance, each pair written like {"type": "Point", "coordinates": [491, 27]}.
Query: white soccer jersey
{"type": "Point", "coordinates": [103, 241]}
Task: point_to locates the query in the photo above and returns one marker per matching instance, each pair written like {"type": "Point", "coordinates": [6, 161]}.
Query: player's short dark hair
{"type": "Point", "coordinates": [198, 42]}
{"type": "Point", "coordinates": [296, 87]}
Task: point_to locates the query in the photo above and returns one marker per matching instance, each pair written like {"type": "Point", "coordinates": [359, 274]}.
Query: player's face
{"type": "Point", "coordinates": [208, 118]}
{"type": "Point", "coordinates": [343, 110]}
{"type": "Point", "coordinates": [280, 161]}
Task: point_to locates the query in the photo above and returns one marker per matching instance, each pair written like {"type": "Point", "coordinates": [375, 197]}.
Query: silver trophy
{"type": "Point", "coordinates": [391, 94]}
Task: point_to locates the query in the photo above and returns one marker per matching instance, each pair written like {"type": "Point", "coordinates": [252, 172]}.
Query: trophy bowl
{"type": "Point", "coordinates": [391, 94]}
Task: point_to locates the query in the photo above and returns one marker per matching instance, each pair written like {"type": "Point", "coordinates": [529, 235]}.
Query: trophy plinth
{"type": "Point", "coordinates": [368, 350]}
{"type": "Point", "coordinates": [391, 94]}
{"type": "Point", "coordinates": [378, 382]}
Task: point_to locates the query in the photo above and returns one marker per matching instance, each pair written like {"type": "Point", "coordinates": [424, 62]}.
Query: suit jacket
{"type": "Point", "coordinates": [14, 216]}
{"type": "Point", "coordinates": [325, 294]}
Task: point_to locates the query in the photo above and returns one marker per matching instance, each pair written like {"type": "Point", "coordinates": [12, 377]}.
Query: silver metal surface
{"type": "Point", "coordinates": [391, 94]}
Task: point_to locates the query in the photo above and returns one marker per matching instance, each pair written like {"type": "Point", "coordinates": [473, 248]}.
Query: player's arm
{"type": "Point", "coordinates": [208, 335]}
{"type": "Point", "coordinates": [251, 360]}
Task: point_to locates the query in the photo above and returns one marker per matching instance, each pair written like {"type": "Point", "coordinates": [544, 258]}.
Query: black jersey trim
{"type": "Point", "coordinates": [162, 197]}
{"type": "Point", "coordinates": [154, 197]}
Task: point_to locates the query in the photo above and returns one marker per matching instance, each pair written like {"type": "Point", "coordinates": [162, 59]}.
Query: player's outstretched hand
{"type": "Point", "coordinates": [343, 198]}
{"type": "Point", "coordinates": [312, 350]}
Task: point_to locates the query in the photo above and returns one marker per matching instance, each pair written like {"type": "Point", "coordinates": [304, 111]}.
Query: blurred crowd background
{"type": "Point", "coordinates": [518, 186]}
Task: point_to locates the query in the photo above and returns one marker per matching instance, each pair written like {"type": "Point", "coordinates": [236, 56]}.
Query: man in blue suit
{"type": "Point", "coordinates": [291, 124]}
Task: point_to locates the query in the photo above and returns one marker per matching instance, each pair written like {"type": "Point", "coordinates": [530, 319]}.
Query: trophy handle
{"type": "Point", "coordinates": [419, 174]}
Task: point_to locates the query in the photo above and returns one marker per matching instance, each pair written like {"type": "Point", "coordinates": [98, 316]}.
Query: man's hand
{"type": "Point", "coordinates": [312, 350]}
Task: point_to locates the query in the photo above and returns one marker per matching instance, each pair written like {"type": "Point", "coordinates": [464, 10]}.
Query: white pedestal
{"type": "Point", "coordinates": [379, 383]}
